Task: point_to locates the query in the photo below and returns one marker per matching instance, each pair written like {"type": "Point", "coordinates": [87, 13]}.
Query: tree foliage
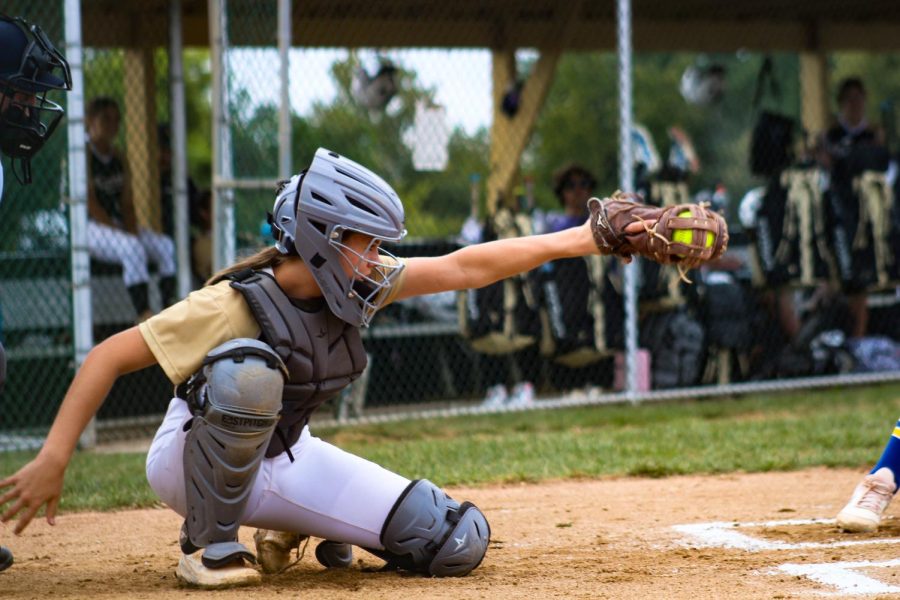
{"type": "Point", "coordinates": [580, 120]}
{"type": "Point", "coordinates": [436, 203]}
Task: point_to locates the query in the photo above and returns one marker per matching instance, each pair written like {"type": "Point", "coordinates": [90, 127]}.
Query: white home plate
{"type": "Point", "coordinates": [727, 535]}
{"type": "Point", "coordinates": [844, 576]}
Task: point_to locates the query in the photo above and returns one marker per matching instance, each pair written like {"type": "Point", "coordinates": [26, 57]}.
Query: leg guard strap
{"type": "Point", "coordinates": [221, 554]}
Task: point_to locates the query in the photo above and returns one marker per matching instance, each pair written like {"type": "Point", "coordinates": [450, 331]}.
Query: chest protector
{"type": "Point", "coordinates": [323, 353]}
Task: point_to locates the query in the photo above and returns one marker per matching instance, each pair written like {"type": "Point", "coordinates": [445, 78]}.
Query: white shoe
{"type": "Point", "coordinates": [522, 395]}
{"type": "Point", "coordinates": [870, 498]}
{"type": "Point", "coordinates": [273, 549]}
{"type": "Point", "coordinates": [191, 571]}
{"type": "Point", "coordinates": [496, 396]}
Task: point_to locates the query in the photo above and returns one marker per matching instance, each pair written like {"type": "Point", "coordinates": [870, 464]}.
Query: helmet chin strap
{"type": "Point", "coordinates": [22, 138]}
{"type": "Point", "coordinates": [25, 177]}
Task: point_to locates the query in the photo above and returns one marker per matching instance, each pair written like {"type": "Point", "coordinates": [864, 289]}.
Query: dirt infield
{"type": "Point", "coordinates": [612, 538]}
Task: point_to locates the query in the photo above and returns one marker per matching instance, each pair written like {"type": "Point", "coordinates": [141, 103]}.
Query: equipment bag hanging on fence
{"type": "Point", "coordinates": [860, 206]}
{"type": "Point", "coordinates": [791, 239]}
{"type": "Point", "coordinates": [584, 312]}
{"type": "Point", "coordinates": [770, 145]}
{"type": "Point", "coordinates": [677, 348]}
{"type": "Point", "coordinates": [725, 312]}
{"type": "Point", "coordinates": [502, 317]}
{"type": "Point", "coordinates": [768, 233]}
{"type": "Point", "coordinates": [876, 202]}
{"type": "Point", "coordinates": [803, 248]}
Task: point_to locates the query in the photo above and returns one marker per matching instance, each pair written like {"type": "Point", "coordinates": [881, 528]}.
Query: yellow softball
{"type": "Point", "coordinates": [686, 236]}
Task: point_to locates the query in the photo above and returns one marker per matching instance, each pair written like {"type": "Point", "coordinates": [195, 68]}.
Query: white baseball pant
{"type": "Point", "coordinates": [117, 246]}
{"type": "Point", "coordinates": [325, 492]}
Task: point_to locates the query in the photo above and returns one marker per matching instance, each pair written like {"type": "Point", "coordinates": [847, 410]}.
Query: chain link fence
{"type": "Point", "coordinates": [35, 301]}
{"type": "Point", "coordinates": [480, 144]}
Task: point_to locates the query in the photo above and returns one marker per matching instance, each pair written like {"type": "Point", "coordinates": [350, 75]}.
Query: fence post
{"type": "Point", "coordinates": [284, 108]}
{"type": "Point", "coordinates": [82, 317]}
{"type": "Point", "coordinates": [178, 126]}
{"type": "Point", "coordinates": [223, 193]}
{"type": "Point", "coordinates": [626, 183]}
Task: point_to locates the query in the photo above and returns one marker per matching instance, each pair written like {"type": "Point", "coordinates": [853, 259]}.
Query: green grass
{"type": "Point", "coordinates": [840, 427]}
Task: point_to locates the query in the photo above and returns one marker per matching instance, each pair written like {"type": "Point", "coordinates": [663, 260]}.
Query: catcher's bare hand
{"type": "Point", "coordinates": [623, 226]}
{"type": "Point", "coordinates": [34, 485]}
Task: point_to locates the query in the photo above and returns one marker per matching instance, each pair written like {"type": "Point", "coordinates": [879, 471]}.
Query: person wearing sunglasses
{"type": "Point", "coordinates": [573, 184]}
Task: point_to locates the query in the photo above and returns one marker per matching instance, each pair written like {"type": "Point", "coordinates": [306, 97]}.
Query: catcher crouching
{"type": "Point", "coordinates": [271, 338]}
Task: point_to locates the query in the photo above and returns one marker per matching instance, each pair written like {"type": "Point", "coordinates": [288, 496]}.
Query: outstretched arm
{"type": "Point", "coordinates": [482, 264]}
{"type": "Point", "coordinates": [40, 481]}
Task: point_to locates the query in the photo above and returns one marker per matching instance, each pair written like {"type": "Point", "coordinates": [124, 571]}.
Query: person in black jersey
{"type": "Point", "coordinates": [850, 146]}
{"type": "Point", "coordinates": [113, 232]}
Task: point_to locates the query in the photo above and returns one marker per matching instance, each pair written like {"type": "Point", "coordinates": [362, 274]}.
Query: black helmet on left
{"type": "Point", "coordinates": [30, 67]}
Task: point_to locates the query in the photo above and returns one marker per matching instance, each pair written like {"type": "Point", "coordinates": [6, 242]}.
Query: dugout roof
{"type": "Point", "coordinates": [658, 25]}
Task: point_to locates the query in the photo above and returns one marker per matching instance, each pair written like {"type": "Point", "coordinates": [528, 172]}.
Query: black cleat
{"type": "Point", "coordinates": [6, 558]}
{"type": "Point", "coordinates": [334, 555]}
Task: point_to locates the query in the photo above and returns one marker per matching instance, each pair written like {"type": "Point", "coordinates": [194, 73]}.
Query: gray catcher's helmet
{"type": "Point", "coordinates": [334, 197]}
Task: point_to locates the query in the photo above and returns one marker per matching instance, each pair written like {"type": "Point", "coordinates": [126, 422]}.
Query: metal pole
{"type": "Point", "coordinates": [179, 171]}
{"type": "Point", "coordinates": [626, 183]}
{"type": "Point", "coordinates": [223, 199]}
{"type": "Point", "coordinates": [284, 108]}
{"type": "Point", "coordinates": [82, 317]}
{"type": "Point", "coordinates": [256, 183]}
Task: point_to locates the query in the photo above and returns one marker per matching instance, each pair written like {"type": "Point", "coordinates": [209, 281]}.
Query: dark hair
{"type": "Point", "coordinates": [562, 176]}
{"type": "Point", "coordinates": [269, 256]}
{"type": "Point", "coordinates": [98, 105]}
{"type": "Point", "coordinates": [849, 84]}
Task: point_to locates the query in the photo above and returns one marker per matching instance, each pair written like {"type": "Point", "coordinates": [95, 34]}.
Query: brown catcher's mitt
{"type": "Point", "coordinates": [686, 235]}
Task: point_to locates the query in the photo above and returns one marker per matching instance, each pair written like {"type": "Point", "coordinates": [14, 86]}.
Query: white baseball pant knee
{"type": "Point", "coordinates": [160, 249]}
{"type": "Point", "coordinates": [114, 245]}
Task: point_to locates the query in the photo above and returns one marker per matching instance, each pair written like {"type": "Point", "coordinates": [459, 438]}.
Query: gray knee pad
{"type": "Point", "coordinates": [235, 399]}
{"type": "Point", "coordinates": [429, 532]}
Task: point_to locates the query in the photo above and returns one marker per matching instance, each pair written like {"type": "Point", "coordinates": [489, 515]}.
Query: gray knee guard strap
{"type": "Point", "coordinates": [236, 398]}
{"type": "Point", "coordinates": [429, 532]}
{"type": "Point", "coordinates": [223, 553]}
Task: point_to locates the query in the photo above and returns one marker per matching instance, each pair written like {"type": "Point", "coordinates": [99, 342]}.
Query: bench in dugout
{"type": "Point", "coordinates": [38, 334]}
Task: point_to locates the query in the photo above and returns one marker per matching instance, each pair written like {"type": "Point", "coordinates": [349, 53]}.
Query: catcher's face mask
{"type": "Point", "coordinates": [373, 270]}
